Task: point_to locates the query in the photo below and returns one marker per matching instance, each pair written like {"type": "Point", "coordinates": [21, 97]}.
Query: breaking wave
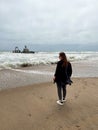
{"type": "Point", "coordinates": [13, 60]}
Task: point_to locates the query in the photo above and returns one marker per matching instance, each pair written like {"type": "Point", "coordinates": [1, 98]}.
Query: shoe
{"type": "Point", "coordinates": [64, 100]}
{"type": "Point", "coordinates": [60, 103]}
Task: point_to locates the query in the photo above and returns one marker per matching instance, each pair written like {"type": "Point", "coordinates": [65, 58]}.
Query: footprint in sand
{"type": "Point", "coordinates": [41, 97]}
{"type": "Point", "coordinates": [76, 96]}
{"type": "Point", "coordinates": [85, 83]}
{"type": "Point", "coordinates": [84, 87]}
{"type": "Point", "coordinates": [78, 127]}
{"type": "Point", "coordinates": [29, 115]}
{"type": "Point", "coordinates": [60, 128]}
{"type": "Point", "coordinates": [47, 118]}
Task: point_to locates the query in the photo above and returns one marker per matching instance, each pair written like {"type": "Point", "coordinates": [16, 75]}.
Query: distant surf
{"type": "Point", "coordinates": [11, 60]}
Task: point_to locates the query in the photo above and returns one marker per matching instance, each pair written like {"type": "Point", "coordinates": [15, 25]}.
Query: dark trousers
{"type": "Point", "coordinates": [61, 89]}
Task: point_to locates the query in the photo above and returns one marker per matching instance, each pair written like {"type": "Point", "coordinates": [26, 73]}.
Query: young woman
{"type": "Point", "coordinates": [62, 74]}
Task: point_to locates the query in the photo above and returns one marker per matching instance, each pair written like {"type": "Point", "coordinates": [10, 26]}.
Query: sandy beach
{"type": "Point", "coordinates": [34, 107]}
{"type": "Point", "coordinates": [42, 42]}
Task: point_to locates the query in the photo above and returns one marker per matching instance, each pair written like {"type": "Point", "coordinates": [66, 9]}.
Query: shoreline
{"type": "Point", "coordinates": [10, 78]}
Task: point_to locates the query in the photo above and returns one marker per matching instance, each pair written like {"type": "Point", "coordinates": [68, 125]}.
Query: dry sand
{"type": "Point", "coordinates": [34, 107]}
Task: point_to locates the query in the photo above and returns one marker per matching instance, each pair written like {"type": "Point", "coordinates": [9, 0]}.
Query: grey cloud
{"type": "Point", "coordinates": [49, 21]}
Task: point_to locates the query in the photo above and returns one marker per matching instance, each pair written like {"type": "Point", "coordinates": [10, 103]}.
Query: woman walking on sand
{"type": "Point", "coordinates": [62, 77]}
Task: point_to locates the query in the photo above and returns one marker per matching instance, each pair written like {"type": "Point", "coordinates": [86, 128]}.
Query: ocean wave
{"type": "Point", "coordinates": [12, 60]}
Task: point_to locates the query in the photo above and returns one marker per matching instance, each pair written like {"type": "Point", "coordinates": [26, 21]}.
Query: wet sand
{"type": "Point", "coordinates": [12, 78]}
{"type": "Point", "coordinates": [34, 107]}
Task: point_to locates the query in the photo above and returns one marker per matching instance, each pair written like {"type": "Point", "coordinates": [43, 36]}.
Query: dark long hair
{"type": "Point", "coordinates": [64, 58]}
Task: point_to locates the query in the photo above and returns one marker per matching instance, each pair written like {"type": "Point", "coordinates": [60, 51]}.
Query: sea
{"type": "Point", "coordinates": [15, 60]}
{"type": "Point", "coordinates": [18, 69]}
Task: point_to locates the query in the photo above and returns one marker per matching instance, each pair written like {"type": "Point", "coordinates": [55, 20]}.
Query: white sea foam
{"type": "Point", "coordinates": [33, 72]}
{"type": "Point", "coordinates": [12, 60]}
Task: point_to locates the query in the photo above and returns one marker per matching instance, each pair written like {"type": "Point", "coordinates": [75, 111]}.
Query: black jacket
{"type": "Point", "coordinates": [63, 73]}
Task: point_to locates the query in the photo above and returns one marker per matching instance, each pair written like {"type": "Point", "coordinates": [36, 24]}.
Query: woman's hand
{"type": "Point", "coordinates": [54, 78]}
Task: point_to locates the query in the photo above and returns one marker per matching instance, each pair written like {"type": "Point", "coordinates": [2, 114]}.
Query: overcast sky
{"type": "Point", "coordinates": [49, 21]}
